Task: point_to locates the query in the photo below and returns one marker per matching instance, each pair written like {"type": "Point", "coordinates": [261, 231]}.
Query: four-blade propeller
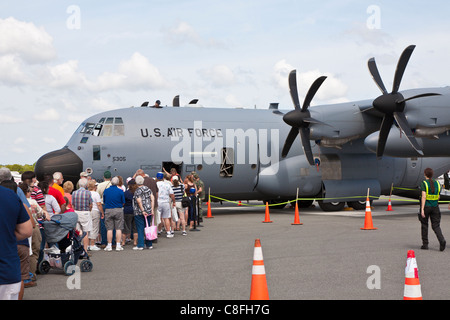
{"type": "Point", "coordinates": [300, 118]}
{"type": "Point", "coordinates": [392, 105]}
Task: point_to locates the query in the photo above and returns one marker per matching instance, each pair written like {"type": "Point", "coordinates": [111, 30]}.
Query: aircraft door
{"type": "Point", "coordinates": [168, 165]}
{"type": "Point", "coordinates": [413, 172]}
{"type": "Point", "coordinates": [101, 160]}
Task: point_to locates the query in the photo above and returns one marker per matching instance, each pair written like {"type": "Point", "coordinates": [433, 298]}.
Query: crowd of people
{"type": "Point", "coordinates": [111, 214]}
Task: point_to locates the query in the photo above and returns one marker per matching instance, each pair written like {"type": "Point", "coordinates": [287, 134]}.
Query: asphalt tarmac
{"type": "Point", "coordinates": [328, 257]}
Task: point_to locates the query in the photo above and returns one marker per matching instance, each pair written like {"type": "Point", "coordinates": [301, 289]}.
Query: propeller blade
{"type": "Point", "coordinates": [419, 96]}
{"type": "Point", "coordinates": [401, 66]}
{"type": "Point", "coordinates": [304, 133]}
{"type": "Point", "coordinates": [386, 125]}
{"type": "Point", "coordinates": [293, 89]}
{"type": "Point", "coordinates": [403, 124]}
{"type": "Point", "coordinates": [289, 141]}
{"type": "Point", "coordinates": [312, 92]}
{"type": "Point", "coordinates": [376, 75]}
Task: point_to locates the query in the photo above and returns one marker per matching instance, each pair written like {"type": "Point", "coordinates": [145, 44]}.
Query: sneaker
{"type": "Point", "coordinates": [119, 247]}
{"type": "Point", "coordinates": [93, 248]}
{"type": "Point", "coordinates": [108, 248]}
{"type": "Point", "coordinates": [169, 235]}
{"type": "Point", "coordinates": [138, 248]}
{"type": "Point", "coordinates": [424, 247]}
{"type": "Point", "coordinates": [29, 283]}
{"type": "Point", "coordinates": [184, 233]}
{"type": "Point", "coordinates": [151, 247]}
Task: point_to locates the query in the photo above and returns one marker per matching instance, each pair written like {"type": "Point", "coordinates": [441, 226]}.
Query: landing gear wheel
{"type": "Point", "coordinates": [358, 205]}
{"type": "Point", "coordinates": [331, 206]}
{"type": "Point", "coordinates": [304, 203]}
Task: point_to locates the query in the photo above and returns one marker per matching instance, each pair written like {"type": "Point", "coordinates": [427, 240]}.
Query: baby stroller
{"type": "Point", "coordinates": [61, 230]}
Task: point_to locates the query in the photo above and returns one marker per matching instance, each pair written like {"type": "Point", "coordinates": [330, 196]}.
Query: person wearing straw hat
{"type": "Point", "coordinates": [429, 209]}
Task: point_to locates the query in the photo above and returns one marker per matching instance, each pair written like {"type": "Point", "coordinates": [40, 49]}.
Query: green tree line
{"type": "Point", "coordinates": [19, 167]}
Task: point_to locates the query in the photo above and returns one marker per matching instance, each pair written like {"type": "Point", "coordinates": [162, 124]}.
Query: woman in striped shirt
{"type": "Point", "coordinates": [178, 191]}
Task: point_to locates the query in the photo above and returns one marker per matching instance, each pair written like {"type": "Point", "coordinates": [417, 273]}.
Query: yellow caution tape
{"type": "Point", "coordinates": [316, 199]}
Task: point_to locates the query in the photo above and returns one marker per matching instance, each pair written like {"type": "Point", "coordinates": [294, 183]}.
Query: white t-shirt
{"type": "Point", "coordinates": [164, 192]}
{"type": "Point", "coordinates": [95, 199]}
{"type": "Point", "coordinates": [52, 205]}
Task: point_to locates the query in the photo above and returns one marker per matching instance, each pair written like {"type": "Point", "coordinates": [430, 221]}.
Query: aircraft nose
{"type": "Point", "coordinates": [64, 161]}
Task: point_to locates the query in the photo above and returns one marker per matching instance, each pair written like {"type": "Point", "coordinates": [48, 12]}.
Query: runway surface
{"type": "Point", "coordinates": [328, 257]}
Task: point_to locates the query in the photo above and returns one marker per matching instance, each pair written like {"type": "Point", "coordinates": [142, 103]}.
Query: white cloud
{"type": "Point", "coordinates": [333, 90]}
{"type": "Point", "coordinates": [66, 75]}
{"type": "Point", "coordinates": [136, 73]}
{"type": "Point", "coordinates": [219, 76]}
{"type": "Point", "coordinates": [11, 73]}
{"type": "Point", "coordinates": [47, 115]}
{"type": "Point", "coordinates": [281, 74]}
{"type": "Point", "coordinates": [18, 150]}
{"type": "Point", "coordinates": [7, 119]}
{"type": "Point", "coordinates": [183, 33]}
{"type": "Point", "coordinates": [102, 104]}
{"type": "Point", "coordinates": [19, 140]}
{"type": "Point", "coordinates": [26, 41]}
{"type": "Point", "coordinates": [48, 140]}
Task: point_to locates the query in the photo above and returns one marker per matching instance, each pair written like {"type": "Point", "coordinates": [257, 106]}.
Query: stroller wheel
{"type": "Point", "coordinates": [44, 267]}
{"type": "Point", "coordinates": [86, 266]}
{"type": "Point", "coordinates": [69, 268]}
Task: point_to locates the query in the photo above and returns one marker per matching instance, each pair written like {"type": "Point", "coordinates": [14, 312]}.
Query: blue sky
{"type": "Point", "coordinates": [225, 53]}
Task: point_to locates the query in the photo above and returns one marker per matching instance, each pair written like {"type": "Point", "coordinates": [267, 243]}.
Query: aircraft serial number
{"type": "Point", "coordinates": [116, 159]}
{"type": "Point", "coordinates": [179, 132]}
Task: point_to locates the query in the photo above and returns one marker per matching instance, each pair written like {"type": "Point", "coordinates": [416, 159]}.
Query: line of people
{"type": "Point", "coordinates": [107, 211]}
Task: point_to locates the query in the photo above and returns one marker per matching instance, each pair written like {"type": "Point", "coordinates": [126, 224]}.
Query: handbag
{"type": "Point", "coordinates": [151, 232]}
{"type": "Point", "coordinates": [174, 214]}
{"type": "Point", "coordinates": [185, 202]}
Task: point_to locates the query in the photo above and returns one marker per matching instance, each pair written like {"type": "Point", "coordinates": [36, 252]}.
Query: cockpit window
{"type": "Point", "coordinates": [88, 128]}
{"type": "Point", "coordinates": [106, 127]}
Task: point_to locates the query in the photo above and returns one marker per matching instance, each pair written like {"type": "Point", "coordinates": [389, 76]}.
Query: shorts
{"type": "Point", "coordinates": [165, 210]}
{"type": "Point", "coordinates": [95, 216]}
{"type": "Point", "coordinates": [10, 291]}
{"type": "Point", "coordinates": [181, 211]}
{"type": "Point", "coordinates": [84, 221]}
{"type": "Point", "coordinates": [114, 219]}
{"type": "Point", "coordinates": [129, 225]}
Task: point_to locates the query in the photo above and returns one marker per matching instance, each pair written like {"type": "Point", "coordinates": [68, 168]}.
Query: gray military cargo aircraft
{"type": "Point", "coordinates": [342, 151]}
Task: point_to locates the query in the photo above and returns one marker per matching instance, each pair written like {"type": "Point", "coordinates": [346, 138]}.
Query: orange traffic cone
{"type": "Point", "coordinates": [258, 289]}
{"type": "Point", "coordinates": [296, 218]}
{"type": "Point", "coordinates": [208, 214]}
{"type": "Point", "coordinates": [368, 225]}
{"type": "Point", "coordinates": [389, 208]}
{"type": "Point", "coordinates": [412, 284]}
{"type": "Point", "coordinates": [267, 218]}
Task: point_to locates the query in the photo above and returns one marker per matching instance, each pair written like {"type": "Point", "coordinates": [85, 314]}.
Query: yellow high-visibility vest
{"type": "Point", "coordinates": [433, 197]}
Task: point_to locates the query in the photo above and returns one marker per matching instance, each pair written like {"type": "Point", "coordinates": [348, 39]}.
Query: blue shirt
{"type": "Point", "coordinates": [12, 212]}
{"type": "Point", "coordinates": [128, 207]}
{"type": "Point", "coordinates": [113, 197]}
